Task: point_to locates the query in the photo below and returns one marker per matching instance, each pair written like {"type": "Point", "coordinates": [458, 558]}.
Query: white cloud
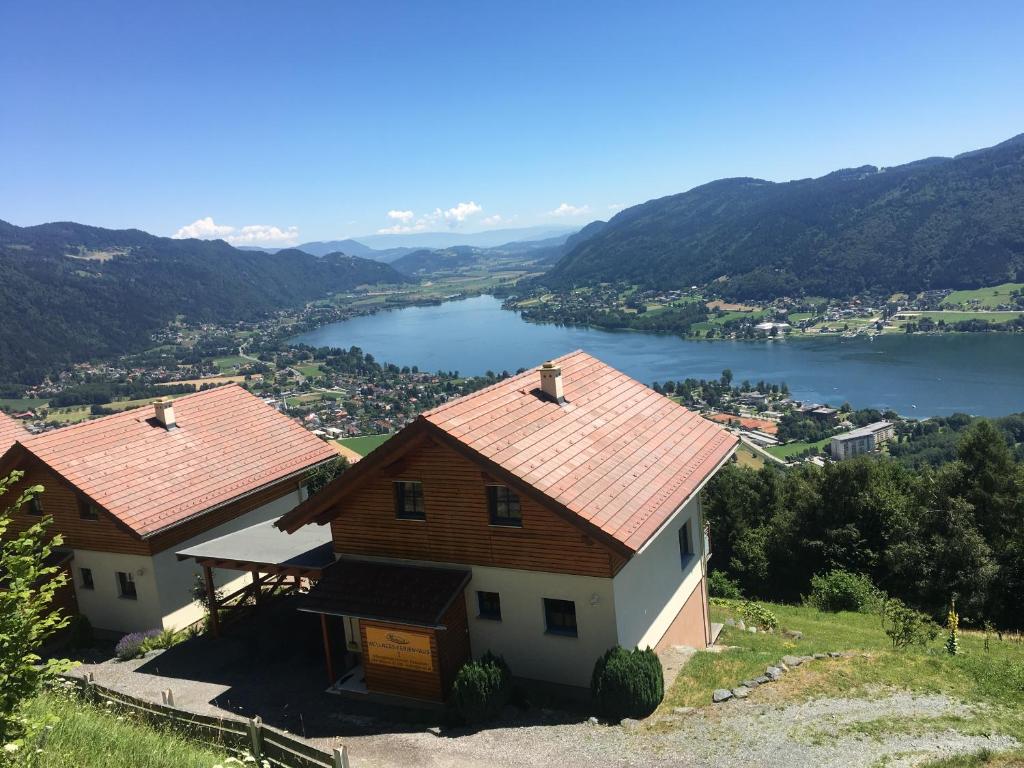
{"type": "Point", "coordinates": [453, 217]}
{"type": "Point", "coordinates": [461, 212]}
{"type": "Point", "coordinates": [203, 229]}
{"type": "Point", "coordinates": [490, 221]}
{"type": "Point", "coordinates": [403, 216]}
{"type": "Point", "coordinates": [565, 209]}
{"type": "Point", "coordinates": [251, 234]}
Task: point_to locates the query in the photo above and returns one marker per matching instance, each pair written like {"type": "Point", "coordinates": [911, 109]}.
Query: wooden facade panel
{"type": "Point", "coordinates": [453, 646]}
{"type": "Point", "coordinates": [457, 528]}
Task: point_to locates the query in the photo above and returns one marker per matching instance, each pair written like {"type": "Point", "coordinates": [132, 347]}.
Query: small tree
{"type": "Point", "coordinates": [27, 618]}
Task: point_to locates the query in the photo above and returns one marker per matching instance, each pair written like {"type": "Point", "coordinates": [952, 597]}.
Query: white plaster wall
{"type": "Point", "coordinates": [175, 578]}
{"type": "Point", "coordinates": [652, 587]}
{"type": "Point", "coordinates": [102, 604]}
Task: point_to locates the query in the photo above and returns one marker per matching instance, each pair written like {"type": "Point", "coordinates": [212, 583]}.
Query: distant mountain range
{"type": "Point", "coordinates": [70, 292]}
{"type": "Point", "coordinates": [935, 223]}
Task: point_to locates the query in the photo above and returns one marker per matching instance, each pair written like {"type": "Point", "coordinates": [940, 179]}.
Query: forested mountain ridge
{"type": "Point", "coordinates": [70, 291]}
{"type": "Point", "coordinates": [935, 223]}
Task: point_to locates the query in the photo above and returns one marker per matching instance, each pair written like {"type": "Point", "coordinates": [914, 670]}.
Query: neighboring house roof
{"type": "Point", "coordinates": [615, 457]}
{"type": "Point", "coordinates": [11, 430]}
{"type": "Point", "coordinates": [227, 443]}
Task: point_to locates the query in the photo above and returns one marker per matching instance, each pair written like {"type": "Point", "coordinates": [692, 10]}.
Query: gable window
{"type": "Point", "coordinates": [685, 544]}
{"type": "Point", "coordinates": [409, 500]}
{"type": "Point", "coordinates": [560, 617]}
{"type": "Point", "coordinates": [35, 507]}
{"type": "Point", "coordinates": [503, 506]}
{"type": "Point", "coordinates": [86, 576]}
{"type": "Point", "coordinates": [86, 509]}
{"type": "Point", "coordinates": [490, 605]}
{"type": "Point", "coordinates": [126, 586]}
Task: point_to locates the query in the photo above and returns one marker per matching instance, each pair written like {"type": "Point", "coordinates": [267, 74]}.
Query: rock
{"type": "Point", "coordinates": [730, 622]}
{"type": "Point", "coordinates": [591, 720]}
{"type": "Point", "coordinates": [834, 654]}
{"type": "Point", "coordinates": [741, 692]}
{"type": "Point", "coordinates": [751, 684]}
{"type": "Point", "coordinates": [720, 695]}
{"type": "Point", "coordinates": [435, 730]}
{"type": "Point", "coordinates": [752, 630]}
{"type": "Point", "coordinates": [773, 673]}
{"type": "Point", "coordinates": [629, 723]}
{"type": "Point", "coordinates": [819, 656]}
{"type": "Point", "coordinates": [807, 658]}
{"type": "Point", "coordinates": [762, 679]}
{"type": "Point", "coordinates": [794, 634]}
{"type": "Point", "coordinates": [683, 710]}
{"type": "Point", "coordinates": [741, 624]}
{"type": "Point", "coordinates": [792, 661]}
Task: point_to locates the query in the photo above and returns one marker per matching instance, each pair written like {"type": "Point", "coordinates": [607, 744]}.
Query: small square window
{"type": "Point", "coordinates": [86, 509]}
{"type": "Point", "coordinates": [685, 544]}
{"type": "Point", "coordinates": [560, 617]}
{"type": "Point", "coordinates": [490, 605]}
{"type": "Point", "coordinates": [86, 576]}
{"type": "Point", "coordinates": [126, 586]}
{"type": "Point", "coordinates": [409, 500]}
{"type": "Point", "coordinates": [35, 507]}
{"type": "Point", "coordinates": [503, 506]}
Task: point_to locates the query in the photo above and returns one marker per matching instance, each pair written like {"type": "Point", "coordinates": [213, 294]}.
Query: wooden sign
{"type": "Point", "coordinates": [398, 648]}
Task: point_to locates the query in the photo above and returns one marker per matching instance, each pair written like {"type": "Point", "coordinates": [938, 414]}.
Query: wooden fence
{"type": "Point", "coordinates": [278, 748]}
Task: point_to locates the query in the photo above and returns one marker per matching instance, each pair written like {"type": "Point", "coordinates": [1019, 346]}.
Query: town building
{"type": "Point", "coordinates": [545, 518]}
{"type": "Point", "coordinates": [126, 490]}
{"type": "Point", "coordinates": [863, 440]}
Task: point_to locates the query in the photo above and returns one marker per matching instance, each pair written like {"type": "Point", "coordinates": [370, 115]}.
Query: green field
{"type": "Point", "coordinates": [986, 297]}
{"type": "Point", "coordinates": [21, 403]}
{"type": "Point", "coordinates": [230, 364]}
{"type": "Point", "coordinates": [310, 371]}
{"type": "Point", "coordinates": [363, 445]}
{"type": "Point", "coordinates": [792, 449]}
{"type": "Point", "coordinates": [953, 316]}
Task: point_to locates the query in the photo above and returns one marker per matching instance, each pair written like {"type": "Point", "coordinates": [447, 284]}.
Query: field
{"type": "Point", "coordinates": [85, 735]}
{"type": "Point", "coordinates": [747, 458]}
{"type": "Point", "coordinates": [986, 298]}
{"type": "Point", "coordinates": [792, 449]}
{"type": "Point", "coordinates": [20, 403]}
{"type": "Point", "coordinates": [363, 445]}
{"type": "Point", "coordinates": [955, 317]}
{"type": "Point", "coordinates": [230, 364]}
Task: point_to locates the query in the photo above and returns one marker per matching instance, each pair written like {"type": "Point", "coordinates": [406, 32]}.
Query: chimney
{"type": "Point", "coordinates": [551, 382]}
{"type": "Point", "coordinates": [164, 408]}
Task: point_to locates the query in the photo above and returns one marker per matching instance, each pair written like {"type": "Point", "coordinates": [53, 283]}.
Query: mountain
{"type": "Point", "coordinates": [935, 223]}
{"type": "Point", "coordinates": [426, 262]}
{"type": "Point", "coordinates": [70, 292]}
{"type": "Point", "coordinates": [490, 239]}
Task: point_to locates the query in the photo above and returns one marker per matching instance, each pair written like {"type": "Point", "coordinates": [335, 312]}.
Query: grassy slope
{"type": "Point", "coordinates": [986, 297]}
{"type": "Point", "coordinates": [994, 678]}
{"type": "Point", "coordinates": [363, 445]}
{"type": "Point", "coordinates": [85, 735]}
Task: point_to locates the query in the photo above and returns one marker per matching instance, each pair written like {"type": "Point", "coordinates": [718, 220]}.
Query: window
{"type": "Point", "coordinates": [126, 586]}
{"type": "Point", "coordinates": [409, 500]}
{"type": "Point", "coordinates": [35, 507]}
{"type": "Point", "coordinates": [490, 605]}
{"type": "Point", "coordinates": [685, 544]}
{"type": "Point", "coordinates": [503, 505]}
{"type": "Point", "coordinates": [86, 509]}
{"type": "Point", "coordinates": [560, 617]}
{"type": "Point", "coordinates": [86, 574]}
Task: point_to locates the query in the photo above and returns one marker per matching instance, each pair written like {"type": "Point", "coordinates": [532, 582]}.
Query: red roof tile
{"type": "Point", "coordinates": [616, 453]}
{"type": "Point", "coordinates": [11, 430]}
{"type": "Point", "coordinates": [227, 443]}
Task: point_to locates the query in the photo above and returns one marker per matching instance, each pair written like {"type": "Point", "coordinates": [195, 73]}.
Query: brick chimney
{"type": "Point", "coordinates": [164, 409]}
{"type": "Point", "coordinates": [551, 382]}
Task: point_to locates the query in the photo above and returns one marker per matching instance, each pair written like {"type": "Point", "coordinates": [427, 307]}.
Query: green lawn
{"type": "Point", "coordinates": [230, 364]}
{"type": "Point", "coordinates": [363, 445]}
{"type": "Point", "coordinates": [993, 677]}
{"type": "Point", "coordinates": [792, 449]}
{"type": "Point", "coordinates": [310, 371]}
{"type": "Point", "coordinates": [986, 297]}
{"type": "Point", "coordinates": [86, 735]}
{"type": "Point", "coordinates": [21, 403]}
{"type": "Point", "coordinates": [955, 317]}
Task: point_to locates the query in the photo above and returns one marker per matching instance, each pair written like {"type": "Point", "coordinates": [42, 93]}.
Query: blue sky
{"type": "Point", "coordinates": [314, 120]}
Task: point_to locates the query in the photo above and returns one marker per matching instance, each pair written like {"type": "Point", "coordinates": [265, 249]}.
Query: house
{"type": "Point", "coordinates": [863, 440]}
{"type": "Point", "coordinates": [127, 489]}
{"type": "Point", "coordinates": [545, 518]}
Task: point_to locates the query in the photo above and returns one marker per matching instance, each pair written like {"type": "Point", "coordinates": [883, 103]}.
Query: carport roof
{"type": "Point", "coordinates": [265, 547]}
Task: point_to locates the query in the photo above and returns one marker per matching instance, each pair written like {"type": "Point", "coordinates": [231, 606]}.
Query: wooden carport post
{"type": "Point", "coordinates": [211, 598]}
{"type": "Point", "coordinates": [327, 649]}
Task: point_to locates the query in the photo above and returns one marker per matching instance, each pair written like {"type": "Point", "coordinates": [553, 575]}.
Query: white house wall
{"type": "Point", "coordinates": [102, 604]}
{"type": "Point", "coordinates": [652, 587]}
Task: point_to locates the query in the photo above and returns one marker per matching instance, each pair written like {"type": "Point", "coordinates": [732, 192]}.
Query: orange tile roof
{"type": "Point", "coordinates": [763, 425]}
{"type": "Point", "coordinates": [228, 443]}
{"type": "Point", "coordinates": [616, 453]}
{"type": "Point", "coordinates": [10, 431]}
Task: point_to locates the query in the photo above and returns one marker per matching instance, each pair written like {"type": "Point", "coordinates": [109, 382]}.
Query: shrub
{"type": "Point", "coordinates": [131, 645]}
{"type": "Point", "coordinates": [163, 639]}
{"type": "Point", "coordinates": [752, 613]}
{"type": "Point", "coordinates": [482, 688]}
{"type": "Point", "coordinates": [720, 585]}
{"type": "Point", "coordinates": [905, 626]}
{"type": "Point", "coordinates": [840, 590]}
{"type": "Point", "coordinates": [627, 683]}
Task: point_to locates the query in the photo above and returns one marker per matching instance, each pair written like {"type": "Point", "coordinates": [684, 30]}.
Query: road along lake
{"type": "Point", "coordinates": [918, 376]}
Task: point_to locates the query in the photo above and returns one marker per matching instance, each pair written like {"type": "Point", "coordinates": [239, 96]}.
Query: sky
{"type": "Point", "coordinates": [273, 123]}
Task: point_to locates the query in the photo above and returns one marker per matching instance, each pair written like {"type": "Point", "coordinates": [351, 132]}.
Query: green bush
{"type": "Point", "coordinates": [720, 585]}
{"type": "Point", "coordinates": [840, 590]}
{"type": "Point", "coordinates": [627, 683]}
{"type": "Point", "coordinates": [753, 614]}
{"type": "Point", "coordinates": [482, 688]}
{"type": "Point", "coordinates": [905, 626]}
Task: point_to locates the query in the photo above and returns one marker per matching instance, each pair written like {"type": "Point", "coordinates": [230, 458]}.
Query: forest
{"type": "Point", "coordinates": [926, 532]}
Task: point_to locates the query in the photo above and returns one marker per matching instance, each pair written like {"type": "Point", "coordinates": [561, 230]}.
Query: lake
{"type": "Point", "coordinates": [918, 376]}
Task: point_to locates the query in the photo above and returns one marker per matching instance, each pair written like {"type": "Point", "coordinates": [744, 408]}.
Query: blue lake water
{"type": "Point", "coordinates": [914, 375]}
